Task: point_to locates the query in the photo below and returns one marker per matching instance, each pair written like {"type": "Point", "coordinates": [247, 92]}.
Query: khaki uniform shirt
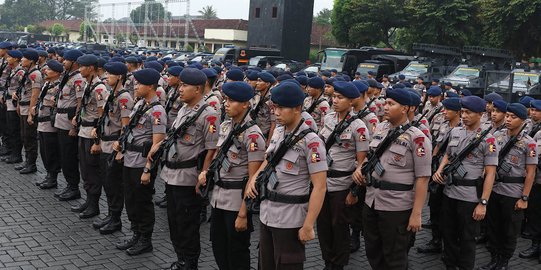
{"type": "Point", "coordinates": [73, 89]}
{"type": "Point", "coordinates": [34, 80]}
{"type": "Point", "coordinates": [130, 84]}
{"type": "Point", "coordinates": [120, 107]}
{"type": "Point", "coordinates": [173, 112]}
{"type": "Point", "coordinates": [537, 139]}
{"type": "Point", "coordinates": [309, 120]}
{"type": "Point", "coordinates": [213, 101]}
{"type": "Point", "coordinates": [266, 116]}
{"type": "Point", "coordinates": [319, 111]}
{"type": "Point", "coordinates": [95, 99]}
{"type": "Point", "coordinates": [4, 76]}
{"type": "Point", "coordinates": [46, 106]}
{"type": "Point", "coordinates": [14, 78]}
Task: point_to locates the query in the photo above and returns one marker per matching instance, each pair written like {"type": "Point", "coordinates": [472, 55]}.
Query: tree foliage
{"type": "Point", "coordinates": [323, 17]}
{"type": "Point", "coordinates": [89, 32]}
{"type": "Point", "coordinates": [154, 11]}
{"type": "Point", "coordinates": [57, 29]}
{"type": "Point", "coordinates": [208, 13]}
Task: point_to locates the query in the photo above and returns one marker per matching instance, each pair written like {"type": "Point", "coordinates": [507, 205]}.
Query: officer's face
{"type": "Point", "coordinates": [51, 74]}
{"type": "Point", "coordinates": [470, 118]}
{"type": "Point", "coordinates": [434, 99]}
{"type": "Point", "coordinates": [112, 79]}
{"type": "Point", "coordinates": [261, 85]}
{"type": "Point", "coordinates": [189, 92]}
{"type": "Point", "coordinates": [67, 64]}
{"type": "Point", "coordinates": [173, 80]}
{"type": "Point", "coordinates": [12, 61]}
{"type": "Point", "coordinates": [341, 103]}
{"type": "Point", "coordinates": [497, 116]}
{"type": "Point", "coordinates": [311, 91]}
{"type": "Point", "coordinates": [235, 108]}
{"type": "Point", "coordinates": [252, 83]}
{"type": "Point", "coordinates": [285, 116]}
{"type": "Point", "coordinates": [329, 90]}
{"type": "Point", "coordinates": [489, 107]}
{"type": "Point", "coordinates": [512, 121]}
{"type": "Point", "coordinates": [450, 115]}
{"type": "Point", "coordinates": [3, 52]}
{"type": "Point", "coordinates": [535, 115]}
{"type": "Point", "coordinates": [85, 71]}
{"type": "Point", "coordinates": [394, 111]}
{"type": "Point", "coordinates": [25, 62]}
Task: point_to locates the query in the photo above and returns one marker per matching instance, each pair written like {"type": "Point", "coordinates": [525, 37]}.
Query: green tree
{"type": "Point", "coordinates": [57, 29]}
{"type": "Point", "coordinates": [11, 15]}
{"type": "Point", "coordinates": [89, 32]}
{"type": "Point", "coordinates": [35, 29]}
{"type": "Point", "coordinates": [208, 13]}
{"type": "Point", "coordinates": [323, 17]}
{"type": "Point", "coordinates": [133, 38]}
{"type": "Point", "coordinates": [154, 10]}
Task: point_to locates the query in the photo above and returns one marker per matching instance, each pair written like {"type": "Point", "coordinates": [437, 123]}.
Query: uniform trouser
{"type": "Point", "coordinates": [138, 200]}
{"type": "Point", "coordinates": [354, 212]}
{"type": "Point", "coordinates": [14, 133]}
{"type": "Point", "coordinates": [112, 183]}
{"type": "Point", "coordinates": [434, 202]}
{"type": "Point", "coordinates": [49, 151]}
{"type": "Point", "coordinates": [333, 228]}
{"type": "Point", "coordinates": [69, 159]}
{"type": "Point", "coordinates": [29, 135]}
{"type": "Point", "coordinates": [503, 225]}
{"type": "Point", "coordinates": [386, 238]}
{"type": "Point", "coordinates": [280, 249]}
{"type": "Point", "coordinates": [183, 214]}
{"type": "Point", "coordinates": [533, 213]}
{"type": "Point", "coordinates": [89, 164]}
{"type": "Point", "coordinates": [3, 122]}
{"type": "Point", "coordinates": [459, 230]}
{"type": "Point", "coordinates": [231, 249]}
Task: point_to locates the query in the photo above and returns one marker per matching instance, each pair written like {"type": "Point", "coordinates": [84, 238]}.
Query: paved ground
{"type": "Point", "coordinates": [39, 232]}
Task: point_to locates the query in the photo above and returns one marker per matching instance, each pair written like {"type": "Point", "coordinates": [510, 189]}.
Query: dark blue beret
{"type": "Point", "coordinates": [301, 73]}
{"type": "Point", "coordinates": [408, 84]}
{"type": "Point", "coordinates": [171, 63]}
{"type": "Point", "coordinates": [400, 95]}
{"type": "Point", "coordinates": [142, 58]}
{"type": "Point", "coordinates": [258, 69]}
{"type": "Point", "coordinates": [361, 87]}
{"type": "Point", "coordinates": [161, 62]}
{"type": "Point", "coordinates": [210, 72]}
{"type": "Point", "coordinates": [434, 91]}
{"type": "Point", "coordinates": [61, 53]}
{"type": "Point", "coordinates": [380, 85]}
{"type": "Point", "coordinates": [371, 73]}
{"type": "Point", "coordinates": [287, 94]}
{"type": "Point", "coordinates": [448, 84]}
{"type": "Point", "coordinates": [6, 45]}
{"type": "Point", "coordinates": [175, 70]}
{"type": "Point", "coordinates": [284, 77]}
{"type": "Point", "coordinates": [238, 91]}
{"type": "Point", "coordinates": [101, 62]}
{"type": "Point", "coordinates": [465, 92]}
{"type": "Point", "coordinates": [198, 65]}
{"type": "Point", "coordinates": [347, 78]}
{"type": "Point", "coordinates": [291, 80]}
{"type": "Point", "coordinates": [132, 59]}
{"type": "Point", "coordinates": [193, 76]}
{"type": "Point", "coordinates": [501, 105]}
{"type": "Point", "coordinates": [473, 103]}
{"type": "Point", "coordinates": [227, 64]}
{"type": "Point", "coordinates": [526, 100]}
{"type": "Point", "coordinates": [415, 98]}
{"type": "Point", "coordinates": [311, 74]}
{"type": "Point", "coordinates": [316, 82]}
{"type": "Point", "coordinates": [401, 77]}
{"type": "Point", "coordinates": [116, 68]}
{"type": "Point", "coordinates": [152, 58]}
{"type": "Point", "coordinates": [147, 76]}
{"type": "Point", "coordinates": [217, 68]}
{"type": "Point", "coordinates": [452, 104]}
{"type": "Point", "coordinates": [31, 54]}
{"type": "Point", "coordinates": [492, 97]}
{"type": "Point", "coordinates": [15, 54]}
{"type": "Point", "coordinates": [347, 89]}
{"type": "Point", "coordinates": [252, 75]}
{"type": "Point", "coordinates": [372, 83]}
{"type": "Point", "coordinates": [154, 65]}
{"type": "Point", "coordinates": [118, 59]}
{"type": "Point", "coordinates": [166, 59]}
{"type": "Point", "coordinates": [518, 109]}
{"type": "Point", "coordinates": [42, 53]}
{"type": "Point", "coordinates": [339, 79]}
{"type": "Point", "coordinates": [326, 74]}
{"type": "Point", "coordinates": [399, 85]}
{"type": "Point", "coordinates": [451, 94]}
{"type": "Point", "coordinates": [87, 60]}
{"type": "Point", "coordinates": [303, 80]}
{"type": "Point", "coordinates": [436, 80]}
{"type": "Point", "coordinates": [536, 104]}
{"type": "Point", "coordinates": [235, 75]}
{"type": "Point", "coordinates": [330, 81]}
{"type": "Point", "coordinates": [72, 55]}
{"type": "Point", "coordinates": [55, 66]}
{"type": "Point", "coordinates": [266, 77]}
{"type": "Point", "coordinates": [334, 70]}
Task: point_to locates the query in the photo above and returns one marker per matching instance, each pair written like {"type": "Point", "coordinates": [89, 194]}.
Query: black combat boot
{"type": "Point", "coordinates": [61, 191]}
{"type": "Point", "coordinates": [51, 182]}
{"type": "Point", "coordinates": [531, 252]}
{"type": "Point", "coordinates": [128, 243]}
{"type": "Point", "coordinates": [355, 242]}
{"type": "Point", "coordinates": [433, 246]}
{"type": "Point", "coordinates": [93, 208]}
{"type": "Point", "coordinates": [29, 168]}
{"type": "Point", "coordinates": [494, 261]}
{"type": "Point", "coordinates": [20, 166]}
{"type": "Point", "coordinates": [180, 265]}
{"type": "Point", "coordinates": [503, 264]}
{"type": "Point", "coordinates": [114, 225]}
{"type": "Point", "coordinates": [80, 207]}
{"type": "Point", "coordinates": [144, 245]}
{"type": "Point", "coordinates": [191, 264]}
{"type": "Point", "coordinates": [99, 222]}
{"type": "Point", "coordinates": [41, 181]}
{"type": "Point", "coordinates": [158, 201]}
{"type": "Point", "coordinates": [203, 215]}
{"type": "Point", "coordinates": [70, 195]}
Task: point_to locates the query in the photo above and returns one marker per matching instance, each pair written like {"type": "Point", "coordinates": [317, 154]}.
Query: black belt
{"type": "Point", "coordinates": [457, 181]}
{"type": "Point", "coordinates": [66, 110]}
{"type": "Point", "coordinates": [44, 118]}
{"type": "Point", "coordinates": [112, 137]}
{"type": "Point", "coordinates": [511, 180]}
{"type": "Point", "coordinates": [384, 185]}
{"type": "Point", "coordinates": [24, 103]}
{"type": "Point", "coordinates": [282, 198]}
{"type": "Point", "coordinates": [230, 184]}
{"type": "Point", "coordinates": [181, 164]}
{"type": "Point", "coordinates": [135, 148]}
{"type": "Point", "coordinates": [89, 123]}
{"type": "Point", "coordinates": [335, 174]}
{"type": "Point", "coordinates": [8, 97]}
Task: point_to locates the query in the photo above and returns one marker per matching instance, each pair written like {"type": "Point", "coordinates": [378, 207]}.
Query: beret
{"type": "Point", "coordinates": [238, 91]}
{"type": "Point", "coordinates": [334, 70]}
{"type": "Point", "coordinates": [154, 65]}
{"type": "Point", "coordinates": [284, 77]}
{"type": "Point", "coordinates": [116, 68]}
{"type": "Point", "coordinates": [371, 73]}
{"type": "Point", "coordinates": [161, 62]}
{"type": "Point", "coordinates": [198, 65]}
{"type": "Point", "coordinates": [147, 76]}
{"type": "Point", "coordinates": [142, 58]}
{"type": "Point", "coordinates": [326, 74]}
{"type": "Point", "coordinates": [501, 105]}
{"type": "Point", "coordinates": [473, 103]}
{"type": "Point", "coordinates": [448, 83]}
{"type": "Point", "coordinates": [252, 75]}
{"type": "Point", "coordinates": [171, 63]}
{"type": "Point", "coordinates": [291, 80]}
{"type": "Point", "coordinates": [316, 82]}
{"type": "Point", "coordinates": [311, 74]}
{"type": "Point", "coordinates": [301, 73]}
{"type": "Point", "coordinates": [451, 94]}
{"type": "Point", "coordinates": [175, 70]}
{"type": "Point", "coordinates": [258, 69]}
{"type": "Point", "coordinates": [152, 58]}
{"type": "Point", "coordinates": [210, 72]}
{"type": "Point", "coordinates": [401, 77]}
{"type": "Point", "coordinates": [235, 75]}
{"type": "Point", "coordinates": [303, 80]}
{"type": "Point", "coordinates": [132, 60]}
{"type": "Point", "coordinates": [452, 104]}
{"type": "Point", "coordinates": [55, 66]}
{"type": "Point", "coordinates": [101, 62]}
{"type": "Point", "coordinates": [330, 81]}
{"type": "Point", "coordinates": [357, 73]}
{"type": "Point", "coordinates": [408, 84]}
{"type": "Point", "coordinates": [399, 85]}
{"type": "Point", "coordinates": [266, 77]}
{"type": "Point", "coordinates": [493, 96]}
{"type": "Point", "coordinates": [72, 55]}
{"type": "Point", "coordinates": [436, 80]}
{"type": "Point", "coordinates": [380, 86]}
{"type": "Point", "coordinates": [287, 94]}
{"type": "Point", "coordinates": [526, 100]}
{"type": "Point", "coordinates": [217, 68]}
{"type": "Point", "coordinates": [347, 78]}
{"type": "Point", "coordinates": [227, 64]}
{"type": "Point", "coordinates": [400, 95]}
{"type": "Point", "coordinates": [518, 109]}
{"type": "Point", "coordinates": [43, 53]}
{"type": "Point", "coordinates": [415, 98]}
{"type": "Point", "coordinates": [372, 83]}
{"type": "Point", "coordinates": [15, 54]}
{"type": "Point", "coordinates": [536, 104]}
{"type": "Point", "coordinates": [361, 87]}
{"type": "Point", "coordinates": [347, 89]}
{"type": "Point", "coordinates": [339, 79]}
{"type": "Point", "coordinates": [6, 45]}
{"type": "Point", "coordinates": [118, 59]}
{"type": "Point", "coordinates": [61, 53]}
{"type": "Point", "coordinates": [87, 60]}
{"type": "Point", "coordinates": [434, 91]}
{"type": "Point", "coordinates": [31, 54]}
{"type": "Point", "coordinates": [465, 92]}
{"type": "Point", "coordinates": [193, 76]}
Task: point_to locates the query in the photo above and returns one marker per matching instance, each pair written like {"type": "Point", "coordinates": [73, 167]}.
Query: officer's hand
{"type": "Point", "coordinates": [251, 191]}
{"type": "Point", "coordinates": [14, 96]}
{"type": "Point", "coordinates": [116, 146]}
{"type": "Point", "coordinates": [479, 212]}
{"type": "Point", "coordinates": [32, 110]}
{"type": "Point", "coordinates": [521, 205]}
{"type": "Point", "coordinates": [351, 200]}
{"type": "Point", "coordinates": [145, 178]}
{"type": "Point", "coordinates": [94, 133]}
{"type": "Point", "coordinates": [18, 110]}
{"type": "Point", "coordinates": [153, 150]}
{"type": "Point", "coordinates": [241, 224]}
{"type": "Point", "coordinates": [359, 178]}
{"type": "Point", "coordinates": [119, 156]}
{"type": "Point", "coordinates": [414, 224]}
{"type": "Point", "coordinates": [30, 119]}
{"type": "Point", "coordinates": [438, 177]}
{"type": "Point", "coordinates": [73, 132]}
{"type": "Point", "coordinates": [201, 181]}
{"type": "Point", "coordinates": [95, 149]}
{"type": "Point", "coordinates": [74, 121]}
{"type": "Point", "coordinates": [306, 234]}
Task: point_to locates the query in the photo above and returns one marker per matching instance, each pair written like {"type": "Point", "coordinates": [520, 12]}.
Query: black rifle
{"type": "Point", "coordinates": [455, 161]}
{"type": "Point", "coordinates": [503, 166]}
{"type": "Point", "coordinates": [171, 100]}
{"type": "Point", "coordinates": [2, 68]}
{"type": "Point", "coordinates": [268, 174]}
{"type": "Point", "coordinates": [312, 107]}
{"type": "Point", "coordinates": [173, 135]}
{"type": "Point", "coordinates": [19, 90]}
{"type": "Point", "coordinates": [418, 121]}
{"type": "Point", "coordinates": [364, 112]}
{"type": "Point", "coordinates": [213, 172]}
{"type": "Point", "coordinates": [438, 110]}
{"type": "Point", "coordinates": [63, 82]}
{"type": "Point", "coordinates": [100, 127]}
{"type": "Point", "coordinates": [534, 130]}
{"type": "Point", "coordinates": [255, 111]}
{"type": "Point", "coordinates": [42, 95]}
{"type": "Point", "coordinates": [85, 100]}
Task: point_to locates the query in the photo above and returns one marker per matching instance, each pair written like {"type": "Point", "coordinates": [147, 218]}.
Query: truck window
{"type": "Point", "coordinates": [333, 59]}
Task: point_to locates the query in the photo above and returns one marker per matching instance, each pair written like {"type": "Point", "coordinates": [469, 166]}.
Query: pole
{"type": "Point", "coordinates": [186, 28]}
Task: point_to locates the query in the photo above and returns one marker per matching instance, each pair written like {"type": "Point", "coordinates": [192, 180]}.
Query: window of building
{"type": "Point", "coordinates": [257, 12]}
{"type": "Point", "coordinates": [274, 12]}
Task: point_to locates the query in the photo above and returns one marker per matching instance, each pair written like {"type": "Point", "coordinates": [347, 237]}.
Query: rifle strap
{"type": "Point", "coordinates": [143, 110]}
{"type": "Point", "coordinates": [438, 110]}
{"type": "Point", "coordinates": [534, 130]}
{"type": "Point", "coordinates": [189, 121]}
{"type": "Point", "coordinates": [280, 154]}
{"type": "Point", "coordinates": [383, 146]}
{"type": "Point", "coordinates": [474, 143]}
{"type": "Point", "coordinates": [315, 103]}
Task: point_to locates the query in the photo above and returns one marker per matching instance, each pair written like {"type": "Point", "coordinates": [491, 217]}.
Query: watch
{"type": "Point", "coordinates": [524, 198]}
{"type": "Point", "coordinates": [483, 202]}
{"type": "Point", "coordinates": [146, 170]}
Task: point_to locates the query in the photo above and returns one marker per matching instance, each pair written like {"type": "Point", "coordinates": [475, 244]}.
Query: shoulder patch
{"type": "Point", "coordinates": [212, 119]}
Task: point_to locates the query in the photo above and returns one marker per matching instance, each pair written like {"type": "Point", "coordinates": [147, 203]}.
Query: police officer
{"type": "Point", "coordinates": [511, 189]}
{"type": "Point", "coordinates": [420, 85]}
{"type": "Point", "coordinates": [434, 104]}
{"type": "Point", "coordinates": [4, 74]}
{"type": "Point", "coordinates": [12, 117]}
{"type": "Point", "coordinates": [42, 61]}
{"type": "Point", "coordinates": [394, 200]}
{"type": "Point", "coordinates": [489, 98]}
{"type": "Point", "coordinates": [464, 201]}
{"type": "Point", "coordinates": [359, 104]}
{"type": "Point", "coordinates": [27, 99]}
{"type": "Point", "coordinates": [452, 119]}
{"type": "Point", "coordinates": [174, 103]}
{"type": "Point", "coordinates": [290, 211]}
{"type": "Point", "coordinates": [315, 103]}
{"type": "Point", "coordinates": [211, 97]}
{"type": "Point", "coordinates": [413, 116]}
{"type": "Point", "coordinates": [265, 118]}
{"type": "Point", "coordinates": [67, 100]}
{"type": "Point", "coordinates": [48, 138]}
{"type": "Point", "coordinates": [160, 92]}
{"type": "Point", "coordinates": [498, 115]}
{"type": "Point", "coordinates": [146, 129]}
{"type": "Point", "coordinates": [332, 223]}
{"type": "Point", "coordinates": [132, 63]}
{"type": "Point", "coordinates": [116, 115]}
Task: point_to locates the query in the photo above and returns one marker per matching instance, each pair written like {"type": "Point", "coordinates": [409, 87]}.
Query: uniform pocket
{"type": "Point", "coordinates": [398, 156]}
{"type": "Point", "coordinates": [289, 164]}
{"type": "Point", "coordinates": [189, 137]}
{"type": "Point", "coordinates": [234, 155]}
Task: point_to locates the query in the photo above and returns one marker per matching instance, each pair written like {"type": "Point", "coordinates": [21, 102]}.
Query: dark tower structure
{"type": "Point", "coordinates": [285, 25]}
